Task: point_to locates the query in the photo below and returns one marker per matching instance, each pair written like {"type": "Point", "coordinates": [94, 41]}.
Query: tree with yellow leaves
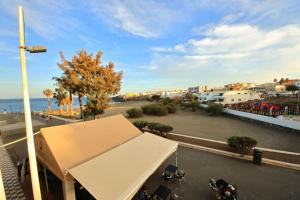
{"type": "Point", "coordinates": [85, 75]}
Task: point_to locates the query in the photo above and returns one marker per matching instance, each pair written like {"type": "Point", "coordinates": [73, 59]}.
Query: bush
{"type": "Point", "coordinates": [160, 129]}
{"type": "Point", "coordinates": [155, 109]}
{"type": "Point", "coordinates": [214, 109]}
{"type": "Point", "coordinates": [193, 105]}
{"type": "Point", "coordinates": [171, 108]}
{"type": "Point", "coordinates": [155, 97]}
{"type": "Point", "coordinates": [241, 144]}
{"type": "Point", "coordinates": [166, 100]}
{"type": "Point", "coordinates": [134, 113]}
{"type": "Point", "coordinates": [177, 100]}
{"type": "Point", "coordinates": [140, 124]}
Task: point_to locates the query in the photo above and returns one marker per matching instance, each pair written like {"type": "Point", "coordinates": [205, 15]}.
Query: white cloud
{"type": "Point", "coordinates": [233, 52]}
{"type": "Point", "coordinates": [148, 19]}
{"type": "Point", "coordinates": [180, 48]}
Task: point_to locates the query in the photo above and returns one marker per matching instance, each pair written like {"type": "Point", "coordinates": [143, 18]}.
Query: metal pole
{"type": "Point", "coordinates": [30, 141]}
{"type": "Point", "coordinates": [298, 100]}
{"type": "Point", "coordinates": [2, 191]}
{"type": "Point", "coordinates": [176, 159]}
{"type": "Point", "coordinates": [46, 178]}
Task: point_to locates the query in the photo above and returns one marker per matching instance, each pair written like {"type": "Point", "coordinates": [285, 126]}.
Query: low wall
{"type": "Point", "coordinates": [283, 156]}
{"type": "Point", "coordinates": [270, 120]}
{"type": "Point", "coordinates": [261, 118]}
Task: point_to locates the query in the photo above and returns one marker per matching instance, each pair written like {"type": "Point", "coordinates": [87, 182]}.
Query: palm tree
{"type": "Point", "coordinates": [67, 101]}
{"type": "Point", "coordinates": [48, 93]}
{"type": "Point", "coordinates": [281, 81]}
{"type": "Point", "coordinates": [60, 95]}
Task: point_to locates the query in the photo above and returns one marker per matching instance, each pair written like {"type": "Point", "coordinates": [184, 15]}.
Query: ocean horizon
{"type": "Point", "coordinates": [14, 105]}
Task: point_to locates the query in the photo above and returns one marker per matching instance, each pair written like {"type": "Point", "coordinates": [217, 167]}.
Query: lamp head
{"type": "Point", "coordinates": [36, 49]}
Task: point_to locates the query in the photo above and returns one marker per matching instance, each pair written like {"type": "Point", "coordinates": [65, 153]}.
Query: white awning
{"type": "Point", "coordinates": [119, 173]}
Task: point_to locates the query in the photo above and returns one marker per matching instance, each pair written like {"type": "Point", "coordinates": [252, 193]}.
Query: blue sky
{"type": "Point", "coordinates": [157, 44]}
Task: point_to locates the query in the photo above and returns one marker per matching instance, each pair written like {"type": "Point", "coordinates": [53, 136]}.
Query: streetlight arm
{"type": "Point", "coordinates": [34, 49]}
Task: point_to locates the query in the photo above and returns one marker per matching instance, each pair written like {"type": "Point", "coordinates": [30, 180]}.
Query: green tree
{"type": "Point", "coordinates": [281, 81]}
{"type": "Point", "coordinates": [155, 97]}
{"type": "Point", "coordinates": [292, 88]}
{"type": "Point", "coordinates": [190, 97]}
{"type": "Point", "coordinates": [48, 93]}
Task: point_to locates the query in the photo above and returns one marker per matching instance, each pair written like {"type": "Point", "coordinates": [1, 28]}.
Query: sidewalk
{"type": "Point", "coordinates": [12, 187]}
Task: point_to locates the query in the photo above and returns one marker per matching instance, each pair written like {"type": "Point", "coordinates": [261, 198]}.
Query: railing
{"type": "Point", "coordinates": [270, 120]}
{"type": "Point", "coordinates": [266, 119]}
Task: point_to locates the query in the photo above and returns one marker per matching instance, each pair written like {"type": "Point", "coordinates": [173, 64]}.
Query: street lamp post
{"type": "Point", "coordinates": [298, 96]}
{"type": "Point", "coordinates": [29, 133]}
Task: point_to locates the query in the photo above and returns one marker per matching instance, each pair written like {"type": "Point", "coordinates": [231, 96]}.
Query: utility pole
{"type": "Point", "coordinates": [29, 133]}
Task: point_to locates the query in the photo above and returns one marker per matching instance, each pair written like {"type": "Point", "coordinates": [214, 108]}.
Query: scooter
{"type": "Point", "coordinates": [224, 190]}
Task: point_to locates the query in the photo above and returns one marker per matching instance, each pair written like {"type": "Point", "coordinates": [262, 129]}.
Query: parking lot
{"type": "Point", "coordinates": [253, 182]}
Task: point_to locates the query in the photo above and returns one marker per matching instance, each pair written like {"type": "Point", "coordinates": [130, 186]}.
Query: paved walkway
{"type": "Point", "coordinates": [253, 182]}
{"type": "Point", "coordinates": [65, 119]}
{"type": "Point", "coordinates": [12, 187]}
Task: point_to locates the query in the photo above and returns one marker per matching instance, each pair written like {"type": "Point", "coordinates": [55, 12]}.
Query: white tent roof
{"type": "Point", "coordinates": [63, 147]}
{"type": "Point", "coordinates": [120, 172]}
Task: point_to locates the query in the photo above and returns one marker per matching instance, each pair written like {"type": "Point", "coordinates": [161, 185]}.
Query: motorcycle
{"type": "Point", "coordinates": [224, 190]}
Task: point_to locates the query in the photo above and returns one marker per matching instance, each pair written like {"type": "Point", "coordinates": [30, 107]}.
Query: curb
{"type": "Point", "coordinates": [222, 142]}
{"type": "Point", "coordinates": [65, 119]}
{"type": "Point", "coordinates": [242, 157]}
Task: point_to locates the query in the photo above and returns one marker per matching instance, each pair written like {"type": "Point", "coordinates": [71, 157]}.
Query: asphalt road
{"type": "Point", "coordinates": [253, 182]}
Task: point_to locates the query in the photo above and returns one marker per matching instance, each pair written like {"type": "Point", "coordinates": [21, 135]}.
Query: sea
{"type": "Point", "coordinates": [36, 104]}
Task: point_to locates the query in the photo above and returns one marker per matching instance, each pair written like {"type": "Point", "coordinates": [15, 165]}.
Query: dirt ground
{"type": "Point", "coordinates": [200, 124]}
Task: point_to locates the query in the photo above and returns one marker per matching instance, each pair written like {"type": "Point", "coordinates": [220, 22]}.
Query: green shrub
{"type": "Point", "coordinates": [141, 124]}
{"type": "Point", "coordinates": [214, 109]}
{"type": "Point", "coordinates": [155, 97]}
{"type": "Point", "coordinates": [171, 108]}
{"type": "Point", "coordinates": [166, 100]}
{"type": "Point", "coordinates": [159, 129]}
{"type": "Point", "coordinates": [241, 144]}
{"type": "Point", "coordinates": [134, 113]}
{"type": "Point", "coordinates": [193, 105]}
{"type": "Point", "coordinates": [155, 109]}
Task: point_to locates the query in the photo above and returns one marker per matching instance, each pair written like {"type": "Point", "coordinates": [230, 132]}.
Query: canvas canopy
{"type": "Point", "coordinates": [120, 172]}
{"type": "Point", "coordinates": [63, 147]}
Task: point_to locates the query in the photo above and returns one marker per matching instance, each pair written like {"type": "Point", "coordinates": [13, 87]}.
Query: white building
{"type": "Point", "coordinates": [229, 97]}
{"type": "Point", "coordinates": [172, 94]}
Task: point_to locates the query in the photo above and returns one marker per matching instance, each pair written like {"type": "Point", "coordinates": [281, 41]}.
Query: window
{"type": "Point", "coordinates": [246, 93]}
{"type": "Point", "coordinates": [240, 99]}
{"type": "Point", "coordinates": [232, 99]}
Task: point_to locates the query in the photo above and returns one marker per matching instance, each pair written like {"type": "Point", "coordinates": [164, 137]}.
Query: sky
{"type": "Point", "coordinates": [163, 44]}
